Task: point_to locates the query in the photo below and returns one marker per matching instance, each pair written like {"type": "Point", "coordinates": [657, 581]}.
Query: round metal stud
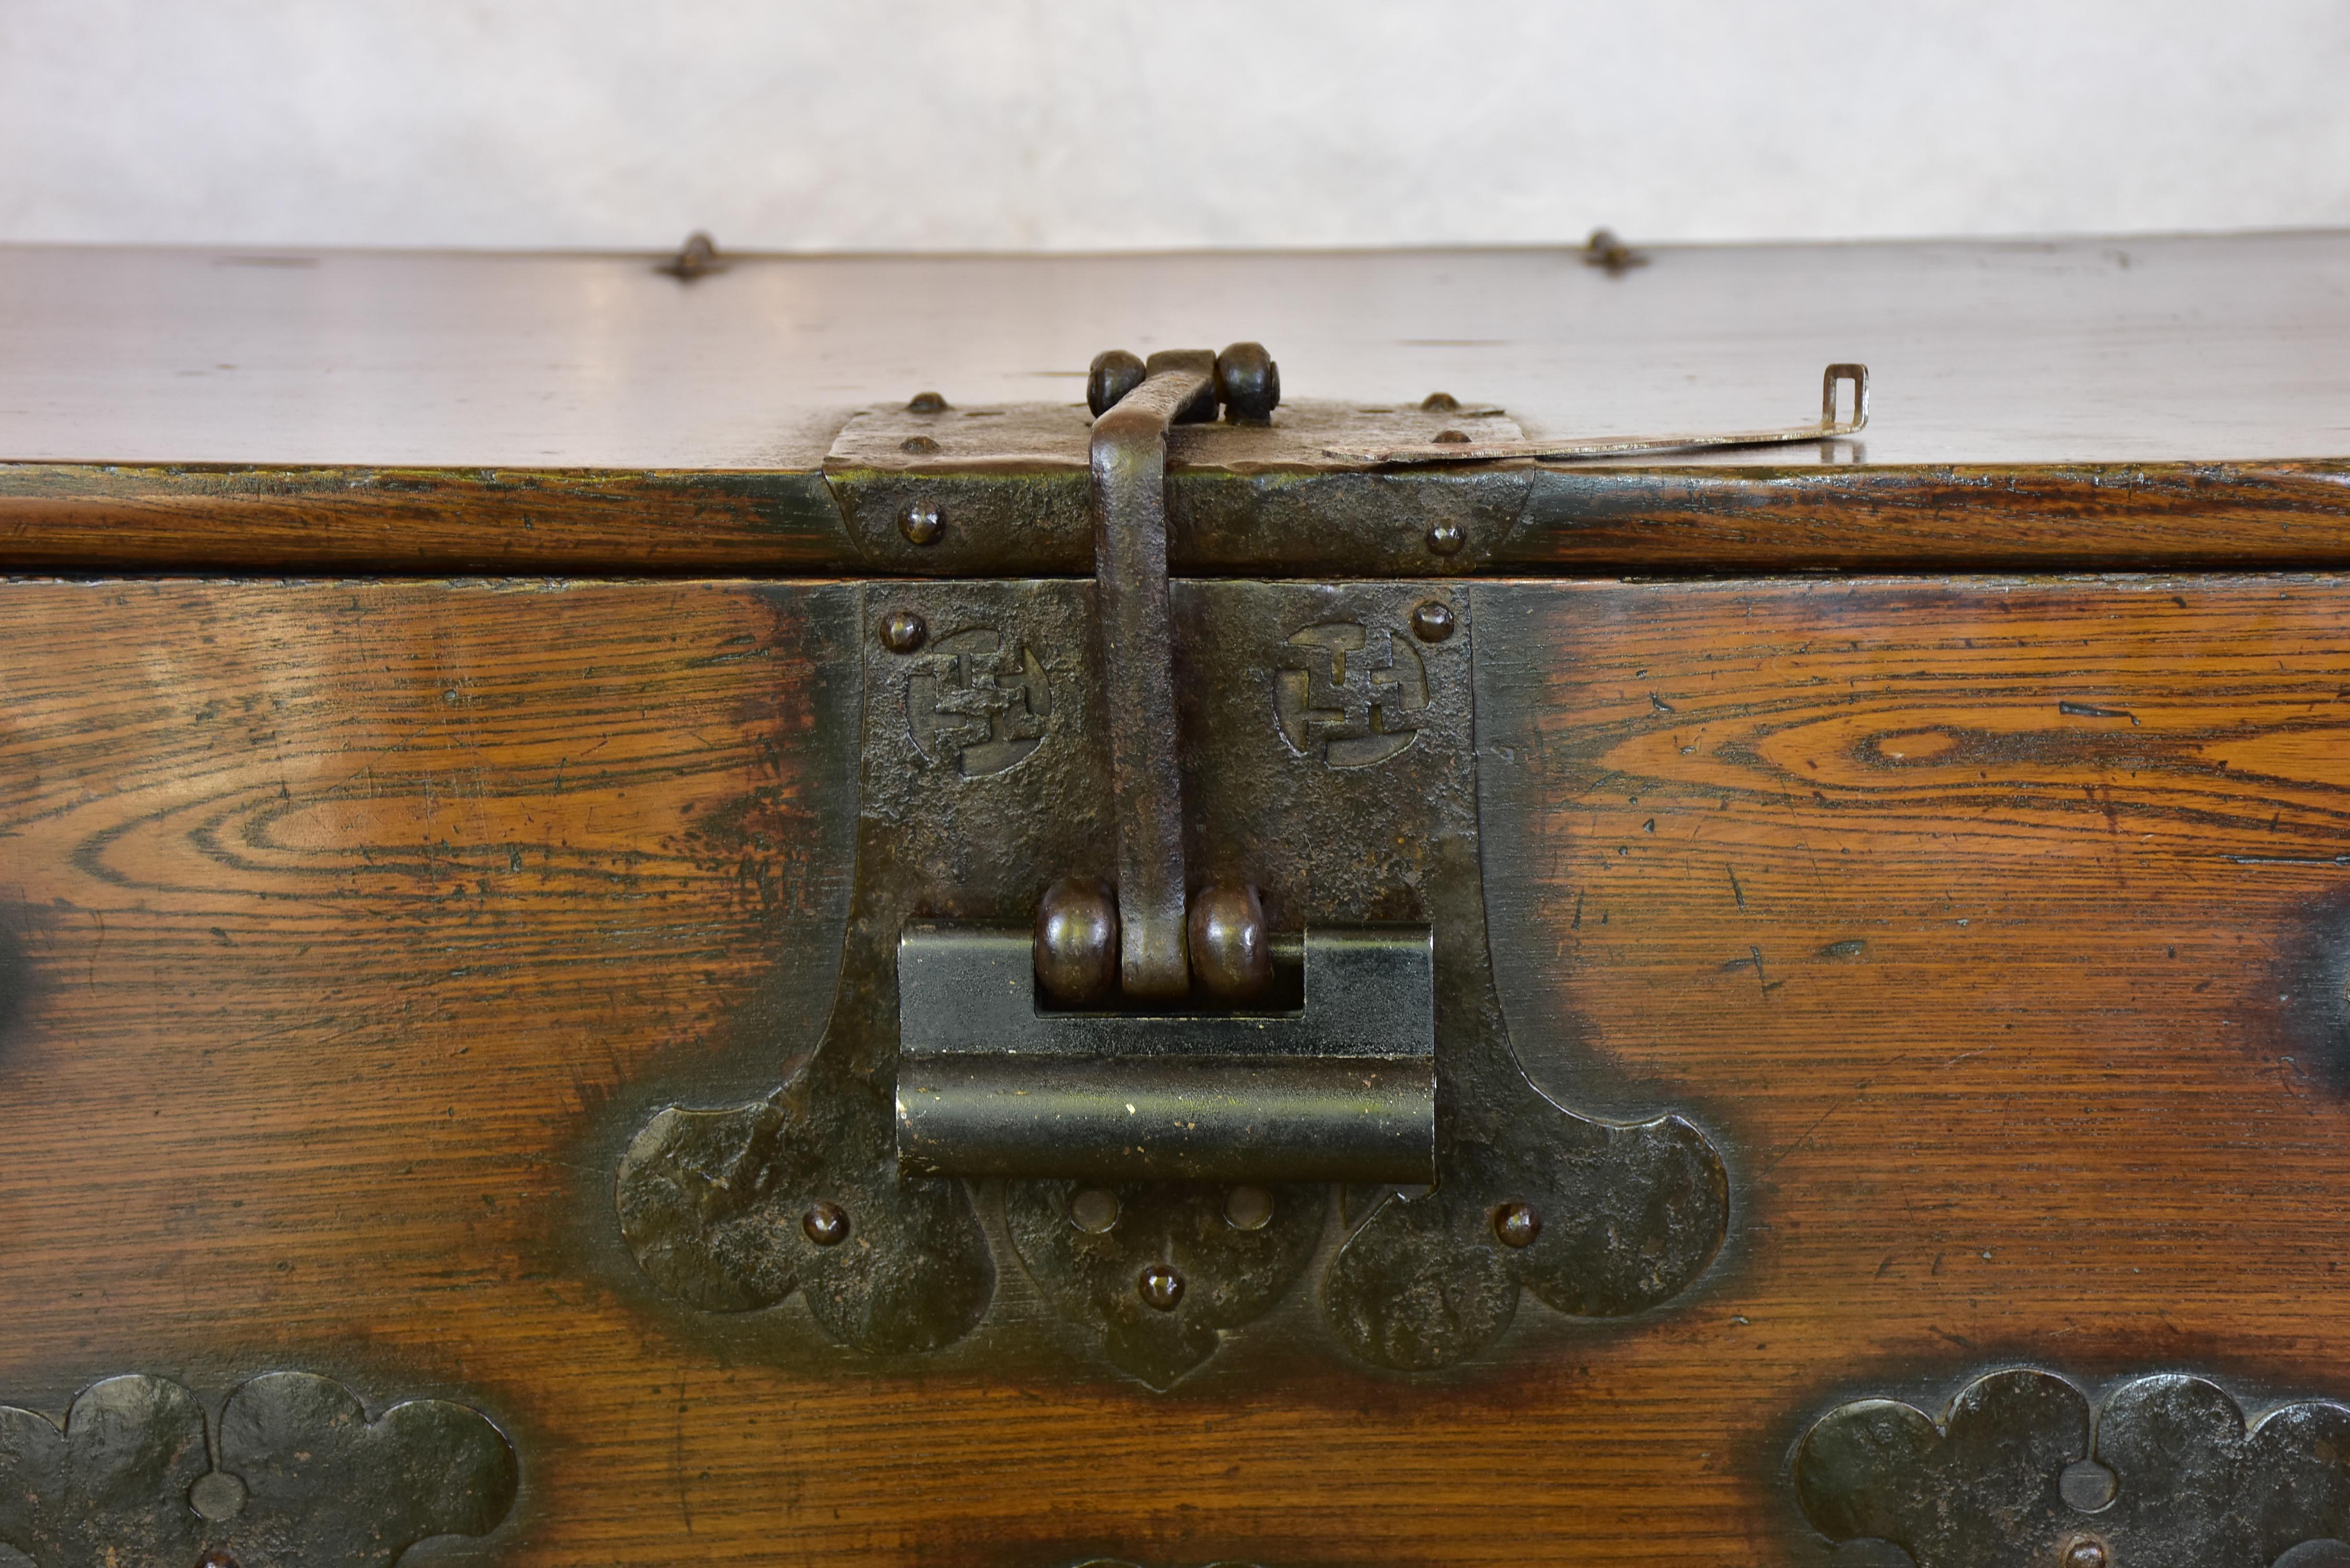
{"type": "Point", "coordinates": [1248, 383]}
{"type": "Point", "coordinates": [1248, 1208]}
{"type": "Point", "coordinates": [1161, 1287]}
{"type": "Point", "coordinates": [1445, 538]}
{"type": "Point", "coordinates": [826, 1224]}
{"type": "Point", "coordinates": [1516, 1225]}
{"type": "Point", "coordinates": [1432, 622]}
{"type": "Point", "coordinates": [903, 631]}
{"type": "Point", "coordinates": [917, 445]}
{"type": "Point", "coordinates": [1452, 438]}
{"type": "Point", "coordinates": [217, 1495]}
{"type": "Point", "coordinates": [1112, 376]}
{"type": "Point", "coordinates": [2087, 1551]}
{"type": "Point", "coordinates": [1439, 402]}
{"type": "Point", "coordinates": [926, 403]}
{"type": "Point", "coordinates": [1094, 1210]}
{"type": "Point", "coordinates": [1232, 952]}
{"type": "Point", "coordinates": [1076, 942]}
{"type": "Point", "coordinates": [921, 525]}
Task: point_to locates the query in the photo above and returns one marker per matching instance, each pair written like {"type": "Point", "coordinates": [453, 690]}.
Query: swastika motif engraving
{"type": "Point", "coordinates": [1351, 692]}
{"type": "Point", "coordinates": [978, 700]}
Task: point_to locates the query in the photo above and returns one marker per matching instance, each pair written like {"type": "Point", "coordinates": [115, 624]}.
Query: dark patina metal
{"type": "Point", "coordinates": [1328, 761]}
{"type": "Point", "coordinates": [1231, 949]}
{"type": "Point", "coordinates": [903, 632]}
{"type": "Point", "coordinates": [292, 1471]}
{"type": "Point", "coordinates": [2192, 1484]}
{"type": "Point", "coordinates": [1303, 755]}
{"type": "Point", "coordinates": [1129, 506]}
{"type": "Point", "coordinates": [1342, 1088]}
{"type": "Point", "coordinates": [1075, 943]}
{"type": "Point", "coordinates": [698, 258]}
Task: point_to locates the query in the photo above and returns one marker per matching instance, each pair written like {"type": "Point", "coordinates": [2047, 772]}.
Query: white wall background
{"type": "Point", "coordinates": [958, 124]}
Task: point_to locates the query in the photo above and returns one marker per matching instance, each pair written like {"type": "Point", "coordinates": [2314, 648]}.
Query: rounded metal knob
{"type": "Point", "coordinates": [1076, 942]}
{"type": "Point", "coordinates": [1232, 951]}
{"type": "Point", "coordinates": [1248, 383]}
{"type": "Point", "coordinates": [1112, 376]}
{"type": "Point", "coordinates": [1161, 1287]}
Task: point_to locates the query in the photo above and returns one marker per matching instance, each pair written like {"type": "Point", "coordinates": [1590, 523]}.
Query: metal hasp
{"type": "Point", "coordinates": [1165, 984]}
{"type": "Point", "coordinates": [1130, 504]}
{"type": "Point", "coordinates": [1466, 449]}
{"type": "Point", "coordinates": [994, 1081]}
{"type": "Point", "coordinates": [1344, 1088]}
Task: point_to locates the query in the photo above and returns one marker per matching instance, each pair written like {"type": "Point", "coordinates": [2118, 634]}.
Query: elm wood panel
{"type": "Point", "coordinates": [2090, 350]}
{"type": "Point", "coordinates": [303, 1139]}
{"type": "Point", "coordinates": [2057, 517]}
{"type": "Point", "coordinates": [2004, 922]}
{"type": "Point", "coordinates": [63, 517]}
{"type": "Point", "coordinates": [1581, 521]}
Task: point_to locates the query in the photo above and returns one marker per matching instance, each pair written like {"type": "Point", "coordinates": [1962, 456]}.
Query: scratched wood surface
{"type": "Point", "coordinates": [2145, 349]}
{"type": "Point", "coordinates": [1995, 930]}
{"type": "Point", "coordinates": [2151, 403]}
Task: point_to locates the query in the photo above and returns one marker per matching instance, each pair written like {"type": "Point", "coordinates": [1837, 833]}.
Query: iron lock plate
{"type": "Point", "coordinates": [983, 773]}
{"type": "Point", "coordinates": [1164, 1166]}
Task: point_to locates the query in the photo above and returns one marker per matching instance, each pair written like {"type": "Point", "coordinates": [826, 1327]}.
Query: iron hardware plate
{"type": "Point", "coordinates": [983, 773]}
{"type": "Point", "coordinates": [2022, 1472]}
{"type": "Point", "coordinates": [290, 1469]}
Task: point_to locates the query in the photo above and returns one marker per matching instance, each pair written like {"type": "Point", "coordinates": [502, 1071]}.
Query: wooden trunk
{"type": "Point", "coordinates": [1991, 924]}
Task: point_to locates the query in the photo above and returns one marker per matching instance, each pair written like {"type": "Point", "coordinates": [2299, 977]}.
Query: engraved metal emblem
{"type": "Point", "coordinates": [978, 699]}
{"type": "Point", "coordinates": [1351, 693]}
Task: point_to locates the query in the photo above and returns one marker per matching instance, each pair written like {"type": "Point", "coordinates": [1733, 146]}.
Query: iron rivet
{"type": "Point", "coordinates": [2087, 1553]}
{"type": "Point", "coordinates": [926, 403]}
{"type": "Point", "coordinates": [217, 1495]}
{"type": "Point", "coordinates": [1439, 402]}
{"type": "Point", "coordinates": [1445, 538]}
{"type": "Point", "coordinates": [1516, 1224]}
{"type": "Point", "coordinates": [1094, 1210]}
{"type": "Point", "coordinates": [1432, 622]}
{"type": "Point", "coordinates": [1161, 1287]}
{"type": "Point", "coordinates": [1248, 1207]}
{"type": "Point", "coordinates": [903, 632]}
{"type": "Point", "coordinates": [217, 1560]}
{"type": "Point", "coordinates": [921, 525]}
{"type": "Point", "coordinates": [826, 1224]}
{"type": "Point", "coordinates": [918, 444]}
{"type": "Point", "coordinates": [1452, 438]}
{"type": "Point", "coordinates": [697, 257]}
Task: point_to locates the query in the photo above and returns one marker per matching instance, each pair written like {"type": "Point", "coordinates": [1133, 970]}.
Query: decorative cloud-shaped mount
{"type": "Point", "coordinates": [2023, 1472]}
{"type": "Point", "coordinates": [733, 1209]}
{"type": "Point", "coordinates": [297, 1477]}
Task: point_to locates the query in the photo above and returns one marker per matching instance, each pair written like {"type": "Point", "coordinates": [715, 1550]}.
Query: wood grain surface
{"type": "Point", "coordinates": [1592, 521]}
{"type": "Point", "coordinates": [1995, 930]}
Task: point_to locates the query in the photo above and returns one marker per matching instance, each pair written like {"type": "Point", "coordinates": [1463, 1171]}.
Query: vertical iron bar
{"type": "Point", "coordinates": [1129, 503]}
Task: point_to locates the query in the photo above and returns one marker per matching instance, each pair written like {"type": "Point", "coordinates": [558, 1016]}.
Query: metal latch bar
{"type": "Point", "coordinates": [1829, 428]}
{"type": "Point", "coordinates": [991, 1084]}
{"type": "Point", "coordinates": [1130, 504]}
